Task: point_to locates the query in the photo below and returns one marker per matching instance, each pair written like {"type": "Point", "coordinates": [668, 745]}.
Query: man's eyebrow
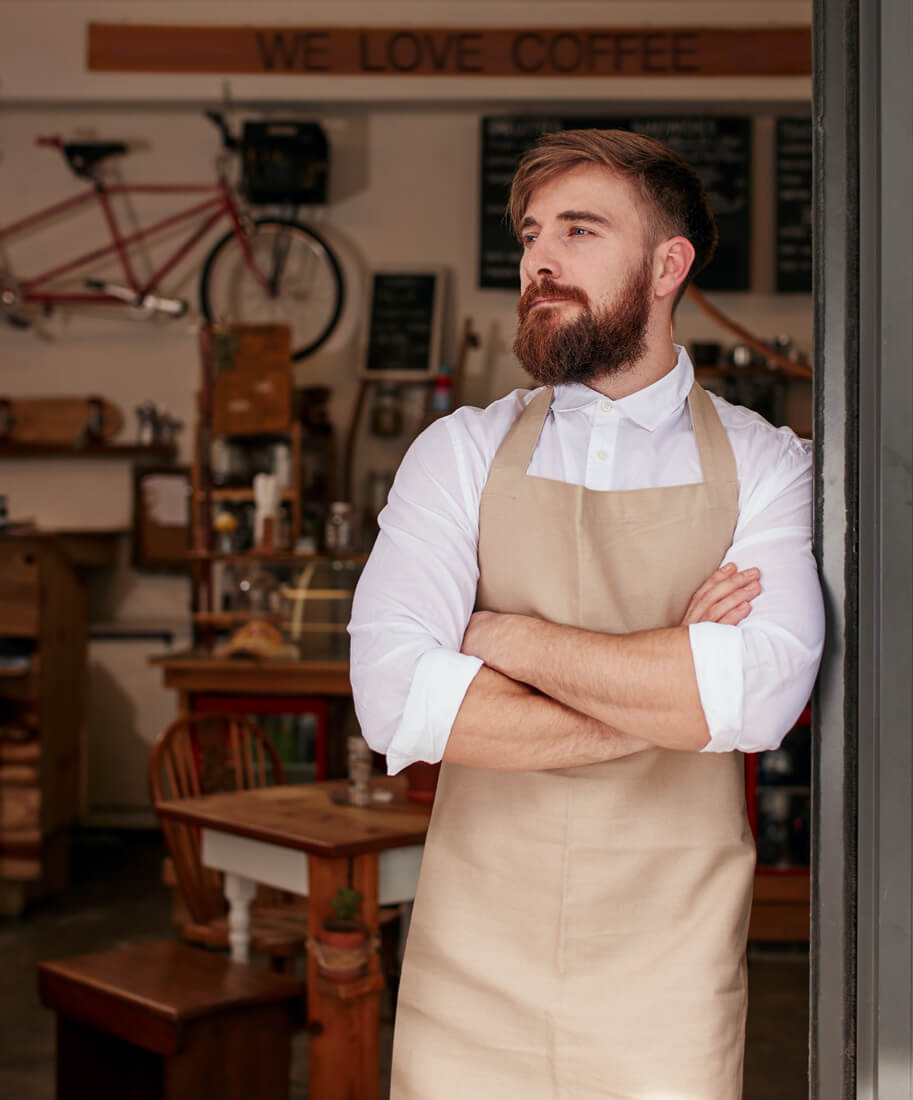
{"type": "Point", "coordinates": [571, 216]}
{"type": "Point", "coordinates": [584, 216]}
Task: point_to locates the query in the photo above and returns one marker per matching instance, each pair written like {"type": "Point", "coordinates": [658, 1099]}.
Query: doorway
{"type": "Point", "coordinates": [861, 1032]}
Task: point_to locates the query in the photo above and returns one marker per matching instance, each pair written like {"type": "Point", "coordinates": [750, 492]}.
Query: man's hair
{"type": "Point", "coordinates": [673, 199]}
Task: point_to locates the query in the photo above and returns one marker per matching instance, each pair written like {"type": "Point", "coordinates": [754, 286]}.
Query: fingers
{"type": "Point", "coordinates": [736, 615]}
{"type": "Point", "coordinates": [722, 596]}
{"type": "Point", "coordinates": [722, 574]}
{"type": "Point", "coordinates": [719, 609]}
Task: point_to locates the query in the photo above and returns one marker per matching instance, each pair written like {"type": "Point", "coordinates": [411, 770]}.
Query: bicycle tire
{"type": "Point", "coordinates": [229, 294]}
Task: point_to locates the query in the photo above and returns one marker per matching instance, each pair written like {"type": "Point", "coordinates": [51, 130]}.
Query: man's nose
{"type": "Point", "coordinates": [539, 259]}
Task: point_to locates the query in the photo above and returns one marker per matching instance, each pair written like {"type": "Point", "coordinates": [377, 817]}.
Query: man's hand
{"type": "Point", "coordinates": [725, 597]}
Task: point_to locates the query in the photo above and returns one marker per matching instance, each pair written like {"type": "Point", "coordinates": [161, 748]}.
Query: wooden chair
{"type": "Point", "coordinates": [162, 1021]}
{"type": "Point", "coordinates": [205, 754]}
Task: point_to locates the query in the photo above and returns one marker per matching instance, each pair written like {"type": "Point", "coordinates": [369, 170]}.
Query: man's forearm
{"type": "Point", "coordinates": [502, 724]}
{"type": "Point", "coordinates": [642, 684]}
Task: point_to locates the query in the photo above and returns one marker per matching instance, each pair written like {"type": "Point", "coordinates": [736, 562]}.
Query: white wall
{"type": "Point", "coordinates": [404, 191]}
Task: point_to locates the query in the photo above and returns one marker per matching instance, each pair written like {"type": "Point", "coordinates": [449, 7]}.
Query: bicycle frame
{"type": "Point", "coordinates": [220, 203]}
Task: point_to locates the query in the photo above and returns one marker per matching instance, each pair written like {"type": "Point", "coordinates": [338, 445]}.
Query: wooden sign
{"type": "Point", "coordinates": [439, 51]}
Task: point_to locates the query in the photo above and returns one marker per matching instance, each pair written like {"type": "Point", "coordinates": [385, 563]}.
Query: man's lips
{"type": "Point", "coordinates": [549, 301]}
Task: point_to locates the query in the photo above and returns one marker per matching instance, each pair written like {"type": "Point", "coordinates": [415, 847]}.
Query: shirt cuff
{"type": "Point", "coordinates": [441, 679]}
{"type": "Point", "coordinates": [718, 666]}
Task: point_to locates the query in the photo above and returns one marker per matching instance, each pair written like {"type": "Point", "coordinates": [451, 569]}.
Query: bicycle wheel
{"type": "Point", "coordinates": [309, 288]}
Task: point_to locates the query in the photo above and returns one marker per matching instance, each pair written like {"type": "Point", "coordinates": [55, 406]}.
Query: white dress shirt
{"type": "Point", "coordinates": [418, 588]}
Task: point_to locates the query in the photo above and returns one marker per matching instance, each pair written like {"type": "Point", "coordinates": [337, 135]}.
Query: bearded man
{"type": "Point", "coordinates": [588, 600]}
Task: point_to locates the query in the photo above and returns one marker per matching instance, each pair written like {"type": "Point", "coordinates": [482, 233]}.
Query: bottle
{"type": "Point", "coordinates": [338, 532]}
{"type": "Point", "coordinates": [441, 397]}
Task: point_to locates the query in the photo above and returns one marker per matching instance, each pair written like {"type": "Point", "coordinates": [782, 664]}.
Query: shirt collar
{"type": "Point", "coordinates": [648, 407]}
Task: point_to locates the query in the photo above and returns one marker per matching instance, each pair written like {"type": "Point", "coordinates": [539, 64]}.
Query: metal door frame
{"type": "Point", "coordinates": [861, 1033]}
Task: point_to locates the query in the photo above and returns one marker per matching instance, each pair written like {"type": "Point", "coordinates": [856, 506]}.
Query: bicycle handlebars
{"type": "Point", "coordinates": [229, 141]}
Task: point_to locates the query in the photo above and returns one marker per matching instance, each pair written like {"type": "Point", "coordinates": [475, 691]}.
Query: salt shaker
{"type": "Point", "coordinates": [338, 533]}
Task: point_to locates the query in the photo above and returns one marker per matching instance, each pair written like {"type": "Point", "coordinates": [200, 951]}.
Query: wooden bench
{"type": "Point", "coordinates": [163, 1021]}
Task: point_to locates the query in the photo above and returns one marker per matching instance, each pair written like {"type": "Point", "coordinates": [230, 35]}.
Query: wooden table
{"type": "Point", "coordinates": [297, 838]}
{"type": "Point", "coordinates": [317, 685]}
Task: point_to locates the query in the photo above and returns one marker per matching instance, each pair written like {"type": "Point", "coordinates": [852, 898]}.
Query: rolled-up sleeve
{"type": "Point", "coordinates": [413, 602]}
{"type": "Point", "coordinates": [755, 678]}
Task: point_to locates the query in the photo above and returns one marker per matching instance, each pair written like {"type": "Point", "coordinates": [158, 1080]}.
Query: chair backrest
{"type": "Point", "coordinates": [199, 755]}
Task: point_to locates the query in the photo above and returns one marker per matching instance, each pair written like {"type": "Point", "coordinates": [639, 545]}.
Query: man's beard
{"type": "Point", "coordinates": [592, 345]}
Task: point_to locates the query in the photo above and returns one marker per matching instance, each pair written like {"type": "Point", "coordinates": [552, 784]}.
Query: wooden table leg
{"type": "Point", "coordinates": [239, 892]}
{"type": "Point", "coordinates": [344, 1018]}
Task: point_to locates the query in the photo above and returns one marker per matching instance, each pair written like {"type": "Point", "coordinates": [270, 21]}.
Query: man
{"type": "Point", "coordinates": [543, 610]}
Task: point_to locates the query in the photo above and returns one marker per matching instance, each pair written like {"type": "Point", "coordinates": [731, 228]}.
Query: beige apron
{"type": "Point", "coordinates": [581, 933]}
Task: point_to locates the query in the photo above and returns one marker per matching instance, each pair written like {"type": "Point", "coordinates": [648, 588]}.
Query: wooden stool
{"type": "Point", "coordinates": [163, 1021]}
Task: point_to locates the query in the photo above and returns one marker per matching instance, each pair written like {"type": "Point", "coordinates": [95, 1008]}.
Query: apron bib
{"type": "Point", "coordinates": [580, 933]}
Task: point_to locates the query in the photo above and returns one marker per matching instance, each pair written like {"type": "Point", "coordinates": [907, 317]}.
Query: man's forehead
{"type": "Point", "coordinates": [584, 187]}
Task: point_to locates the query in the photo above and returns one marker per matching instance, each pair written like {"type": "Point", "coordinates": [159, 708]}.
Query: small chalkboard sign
{"type": "Point", "coordinates": [404, 330]}
{"type": "Point", "coordinates": [718, 148]}
{"type": "Point", "coordinates": [794, 205]}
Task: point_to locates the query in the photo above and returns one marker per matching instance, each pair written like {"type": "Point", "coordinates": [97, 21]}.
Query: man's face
{"type": "Point", "coordinates": [586, 278]}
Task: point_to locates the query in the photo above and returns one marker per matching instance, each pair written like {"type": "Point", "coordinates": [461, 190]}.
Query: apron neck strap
{"type": "Point", "coordinates": [713, 447]}
{"type": "Point", "coordinates": [516, 452]}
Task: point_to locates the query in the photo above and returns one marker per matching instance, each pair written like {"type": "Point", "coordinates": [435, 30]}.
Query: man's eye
{"type": "Point", "coordinates": [579, 230]}
{"type": "Point", "coordinates": [528, 238]}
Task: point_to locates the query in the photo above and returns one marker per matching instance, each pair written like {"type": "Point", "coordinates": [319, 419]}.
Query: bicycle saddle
{"type": "Point", "coordinates": [84, 155]}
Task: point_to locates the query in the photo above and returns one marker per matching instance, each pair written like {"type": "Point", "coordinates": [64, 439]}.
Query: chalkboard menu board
{"type": "Point", "coordinates": [405, 324]}
{"type": "Point", "coordinates": [718, 148]}
{"type": "Point", "coordinates": [794, 205]}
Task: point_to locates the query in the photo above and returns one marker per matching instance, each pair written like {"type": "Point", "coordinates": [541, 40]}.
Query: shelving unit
{"type": "Point", "coordinates": [205, 493]}
{"type": "Point", "coordinates": [280, 419]}
{"type": "Point", "coordinates": [42, 716]}
{"type": "Point", "coordinates": [775, 780]}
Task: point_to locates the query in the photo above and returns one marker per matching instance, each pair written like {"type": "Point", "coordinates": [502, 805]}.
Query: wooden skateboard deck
{"type": "Point", "coordinates": [57, 420]}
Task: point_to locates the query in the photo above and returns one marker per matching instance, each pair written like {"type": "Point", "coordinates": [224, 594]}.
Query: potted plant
{"type": "Point", "coordinates": [342, 947]}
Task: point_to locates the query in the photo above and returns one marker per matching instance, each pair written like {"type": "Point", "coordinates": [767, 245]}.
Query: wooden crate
{"type": "Point", "coordinates": [252, 386]}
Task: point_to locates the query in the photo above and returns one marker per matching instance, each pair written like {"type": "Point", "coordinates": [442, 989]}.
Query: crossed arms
{"type": "Point", "coordinates": [559, 696]}
{"type": "Point", "coordinates": [551, 696]}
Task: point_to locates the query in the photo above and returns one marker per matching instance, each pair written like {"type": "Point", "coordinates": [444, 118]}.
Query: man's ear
{"type": "Point", "coordinates": [673, 260]}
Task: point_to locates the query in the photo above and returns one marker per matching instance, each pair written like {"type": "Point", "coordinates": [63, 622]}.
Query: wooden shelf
{"type": "Point", "coordinates": [228, 618]}
{"type": "Point", "coordinates": [93, 450]}
{"type": "Point", "coordinates": [237, 494]}
{"type": "Point", "coordinates": [17, 673]}
{"type": "Point", "coordinates": [276, 556]}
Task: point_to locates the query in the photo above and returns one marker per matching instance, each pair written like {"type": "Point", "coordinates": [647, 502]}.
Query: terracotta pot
{"type": "Point", "coordinates": [342, 949]}
{"type": "Point", "coordinates": [421, 781]}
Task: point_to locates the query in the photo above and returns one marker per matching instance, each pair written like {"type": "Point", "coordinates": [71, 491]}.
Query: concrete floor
{"type": "Point", "coordinates": [116, 897]}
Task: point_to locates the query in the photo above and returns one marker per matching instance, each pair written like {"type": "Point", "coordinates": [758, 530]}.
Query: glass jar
{"type": "Point", "coordinates": [387, 411]}
{"type": "Point", "coordinates": [338, 535]}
